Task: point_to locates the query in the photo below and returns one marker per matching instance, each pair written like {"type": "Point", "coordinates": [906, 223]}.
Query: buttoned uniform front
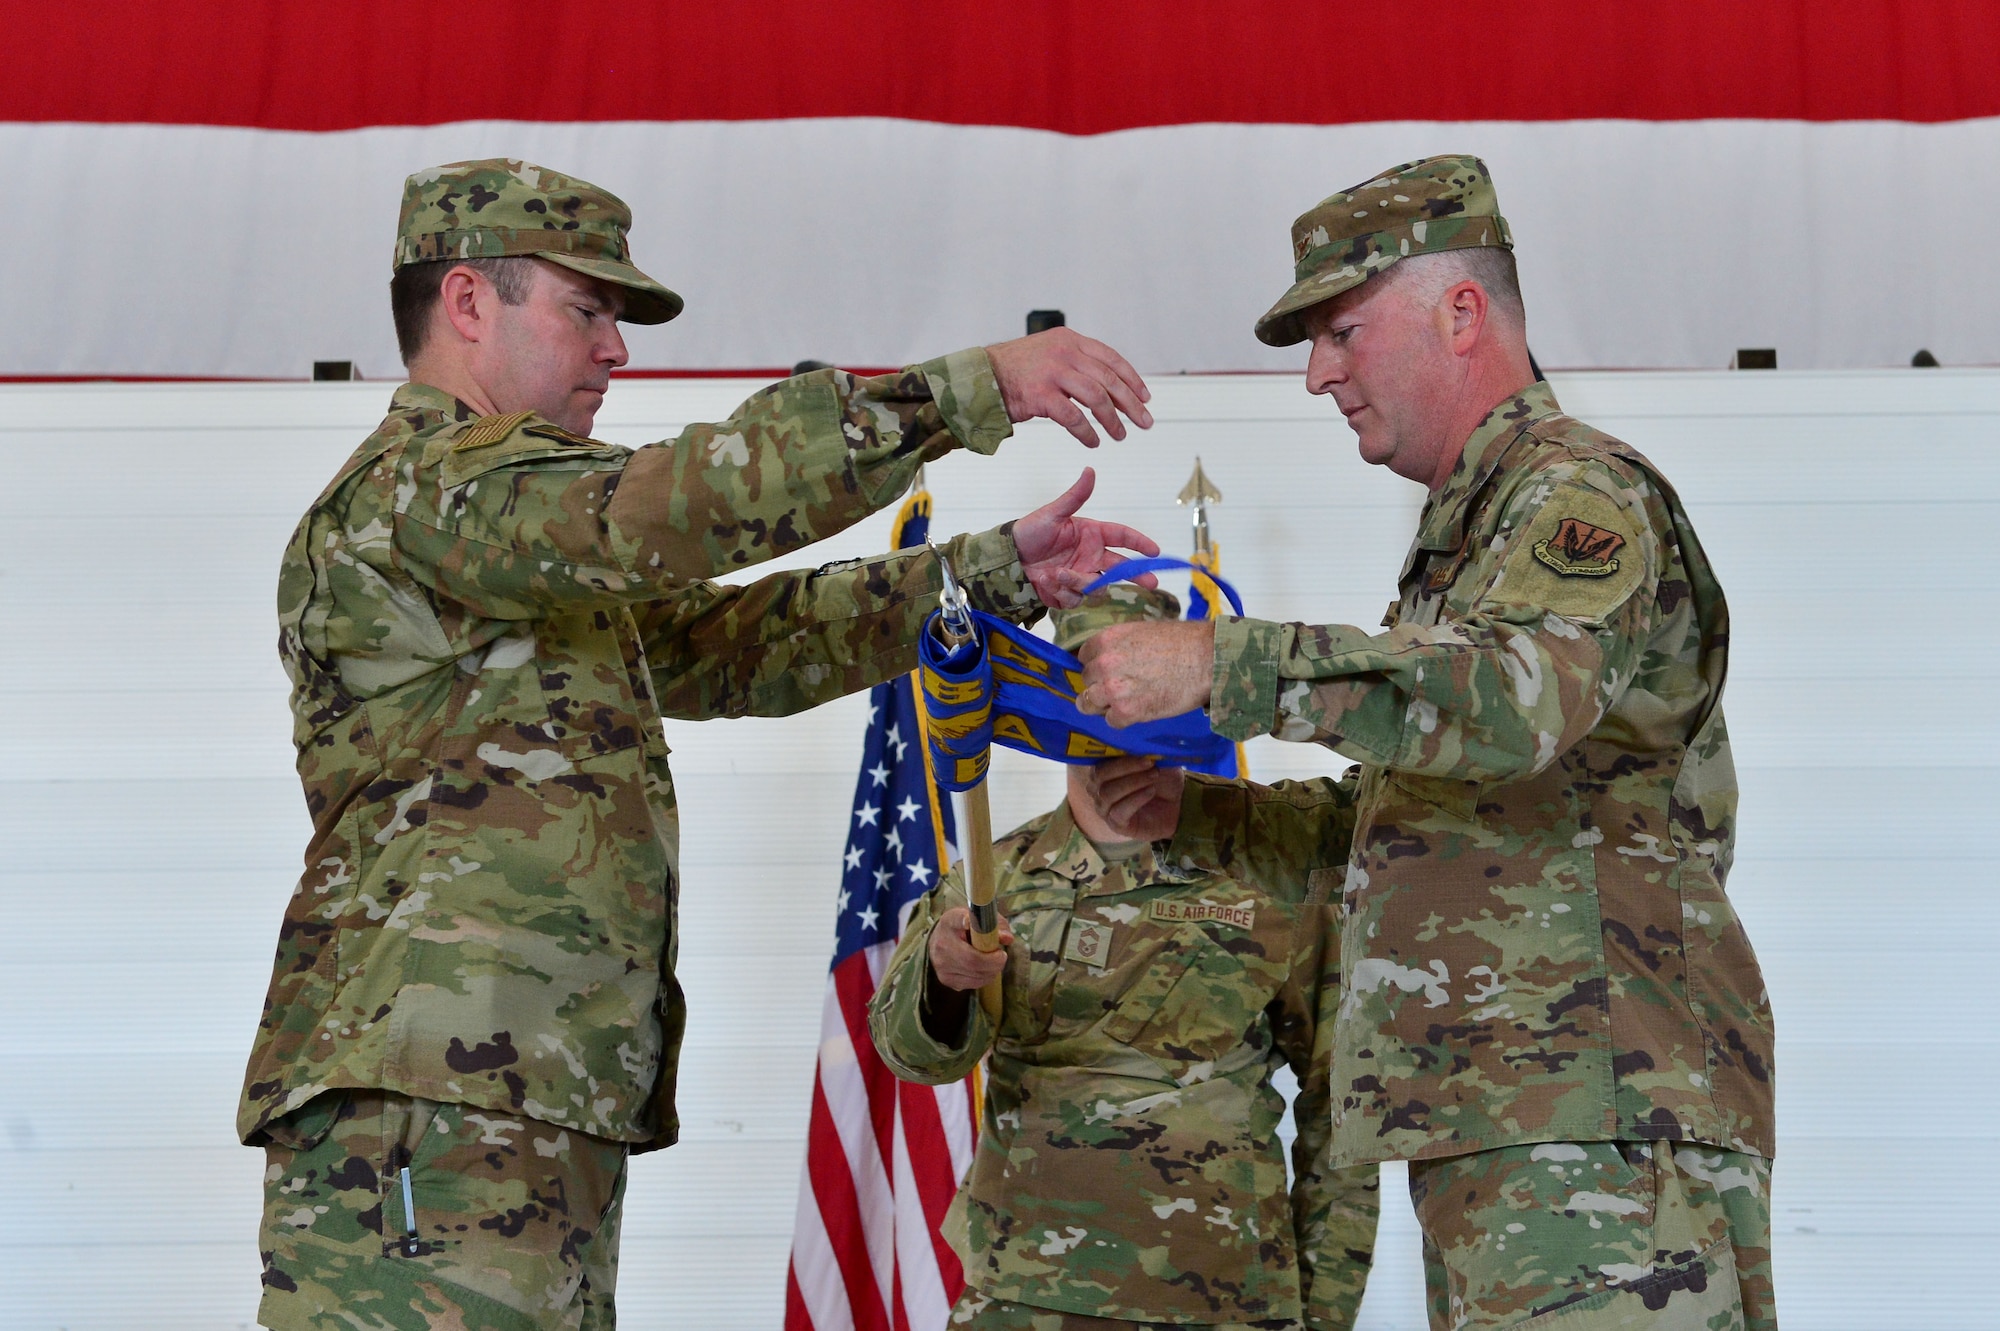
{"type": "Point", "coordinates": [1536, 942]}
{"type": "Point", "coordinates": [484, 620]}
{"type": "Point", "coordinates": [1128, 1165]}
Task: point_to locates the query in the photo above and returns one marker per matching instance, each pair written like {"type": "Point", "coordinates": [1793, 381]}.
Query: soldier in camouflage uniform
{"type": "Point", "coordinates": [473, 1018]}
{"type": "Point", "coordinates": [1548, 1004]}
{"type": "Point", "coordinates": [1128, 1171]}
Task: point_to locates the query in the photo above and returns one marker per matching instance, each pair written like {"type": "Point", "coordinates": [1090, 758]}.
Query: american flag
{"type": "Point", "coordinates": [883, 1157]}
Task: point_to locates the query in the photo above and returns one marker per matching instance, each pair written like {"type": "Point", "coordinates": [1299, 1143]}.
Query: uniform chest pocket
{"type": "Point", "coordinates": [555, 693]}
{"type": "Point", "coordinates": [1200, 996]}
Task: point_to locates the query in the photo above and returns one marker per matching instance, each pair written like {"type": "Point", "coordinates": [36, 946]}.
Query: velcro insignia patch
{"type": "Point", "coordinates": [1580, 550]}
{"type": "Point", "coordinates": [1196, 912]}
{"type": "Point", "coordinates": [1577, 553]}
{"type": "Point", "coordinates": [1445, 571]}
{"type": "Point", "coordinates": [1088, 943]}
{"type": "Point", "coordinates": [489, 430]}
{"type": "Point", "coordinates": [556, 434]}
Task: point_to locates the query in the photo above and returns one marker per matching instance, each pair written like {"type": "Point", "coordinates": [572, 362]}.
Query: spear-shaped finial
{"type": "Point", "coordinates": [1199, 493]}
{"type": "Point", "coordinates": [955, 611]}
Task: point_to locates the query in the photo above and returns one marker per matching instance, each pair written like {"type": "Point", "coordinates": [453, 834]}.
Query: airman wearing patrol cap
{"type": "Point", "coordinates": [1549, 1005]}
{"type": "Point", "coordinates": [498, 209]}
{"type": "Point", "coordinates": [1429, 207]}
{"type": "Point", "coordinates": [1128, 1171]}
{"type": "Point", "coordinates": [473, 1018]}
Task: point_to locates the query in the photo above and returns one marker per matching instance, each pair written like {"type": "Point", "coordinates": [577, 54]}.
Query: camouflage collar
{"type": "Point", "coordinates": [414, 409]}
{"type": "Point", "coordinates": [424, 398]}
{"type": "Point", "coordinates": [1066, 852]}
{"type": "Point", "coordinates": [1443, 525]}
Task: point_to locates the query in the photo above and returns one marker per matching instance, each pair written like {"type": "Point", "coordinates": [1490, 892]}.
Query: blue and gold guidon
{"type": "Point", "coordinates": [1008, 687]}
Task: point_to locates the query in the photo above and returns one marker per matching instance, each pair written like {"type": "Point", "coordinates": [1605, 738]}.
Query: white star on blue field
{"type": "Point", "coordinates": [892, 854]}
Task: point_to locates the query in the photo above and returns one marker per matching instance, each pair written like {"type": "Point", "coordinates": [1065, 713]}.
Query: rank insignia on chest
{"type": "Point", "coordinates": [1195, 912]}
{"type": "Point", "coordinates": [1444, 574]}
{"type": "Point", "coordinates": [1088, 943]}
{"type": "Point", "coordinates": [1580, 550]}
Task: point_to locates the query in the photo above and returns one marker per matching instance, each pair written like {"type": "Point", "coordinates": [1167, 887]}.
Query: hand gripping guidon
{"type": "Point", "coordinates": [986, 682]}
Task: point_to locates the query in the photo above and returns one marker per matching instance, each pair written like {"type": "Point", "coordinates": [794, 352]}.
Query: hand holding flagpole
{"type": "Point", "coordinates": [955, 628]}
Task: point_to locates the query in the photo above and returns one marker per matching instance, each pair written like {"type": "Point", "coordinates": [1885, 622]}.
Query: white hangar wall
{"type": "Point", "coordinates": [867, 241]}
{"type": "Point", "coordinates": [150, 823]}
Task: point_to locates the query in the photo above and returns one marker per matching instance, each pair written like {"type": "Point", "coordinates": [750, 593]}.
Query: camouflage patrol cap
{"type": "Point", "coordinates": [1120, 603]}
{"type": "Point", "coordinates": [1440, 203]}
{"type": "Point", "coordinates": [502, 206]}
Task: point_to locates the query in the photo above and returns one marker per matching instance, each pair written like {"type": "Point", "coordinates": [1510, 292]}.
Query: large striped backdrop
{"type": "Point", "coordinates": [209, 189]}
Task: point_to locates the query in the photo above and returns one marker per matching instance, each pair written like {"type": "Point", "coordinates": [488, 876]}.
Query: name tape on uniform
{"type": "Point", "coordinates": [1197, 912]}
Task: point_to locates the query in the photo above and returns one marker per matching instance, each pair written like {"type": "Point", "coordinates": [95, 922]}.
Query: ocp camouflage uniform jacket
{"type": "Point", "coordinates": [484, 620]}
{"type": "Point", "coordinates": [1536, 941]}
{"type": "Point", "coordinates": [1128, 1163]}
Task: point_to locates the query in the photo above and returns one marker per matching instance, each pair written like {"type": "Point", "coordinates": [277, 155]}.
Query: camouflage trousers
{"type": "Point", "coordinates": [1589, 1236]}
{"type": "Point", "coordinates": [506, 1224]}
{"type": "Point", "coordinates": [975, 1312]}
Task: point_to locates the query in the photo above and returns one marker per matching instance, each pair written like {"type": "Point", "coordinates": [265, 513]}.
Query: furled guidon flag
{"type": "Point", "coordinates": [883, 1157]}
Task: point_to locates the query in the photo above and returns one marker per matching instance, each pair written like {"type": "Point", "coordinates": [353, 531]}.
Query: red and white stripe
{"type": "Point", "coordinates": [883, 1158]}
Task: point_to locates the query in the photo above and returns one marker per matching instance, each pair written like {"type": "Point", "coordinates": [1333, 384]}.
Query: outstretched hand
{"type": "Point", "coordinates": [1062, 553]}
{"type": "Point", "coordinates": [1147, 671]}
{"type": "Point", "coordinates": [1050, 373]}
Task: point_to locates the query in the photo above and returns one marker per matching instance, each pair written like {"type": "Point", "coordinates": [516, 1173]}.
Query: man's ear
{"type": "Point", "coordinates": [1469, 306]}
{"type": "Point", "coordinates": [466, 300]}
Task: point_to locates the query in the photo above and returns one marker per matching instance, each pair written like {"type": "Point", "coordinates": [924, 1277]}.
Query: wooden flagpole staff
{"type": "Point", "coordinates": [956, 628]}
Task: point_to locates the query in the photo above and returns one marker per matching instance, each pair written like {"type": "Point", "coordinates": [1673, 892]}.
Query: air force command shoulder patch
{"type": "Point", "coordinates": [1579, 554]}
{"type": "Point", "coordinates": [1580, 550]}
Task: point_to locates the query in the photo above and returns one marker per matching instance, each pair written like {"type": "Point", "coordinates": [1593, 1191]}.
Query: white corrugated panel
{"type": "Point", "coordinates": [798, 236]}
{"type": "Point", "coordinates": [150, 824]}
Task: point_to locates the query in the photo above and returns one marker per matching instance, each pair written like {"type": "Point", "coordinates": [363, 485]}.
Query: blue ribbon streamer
{"type": "Point", "coordinates": [1008, 687]}
{"type": "Point", "coordinates": [1132, 568]}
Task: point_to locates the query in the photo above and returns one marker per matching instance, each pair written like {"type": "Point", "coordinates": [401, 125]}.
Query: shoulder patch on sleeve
{"type": "Point", "coordinates": [489, 430]}
{"type": "Point", "coordinates": [1579, 556]}
{"type": "Point", "coordinates": [1579, 550]}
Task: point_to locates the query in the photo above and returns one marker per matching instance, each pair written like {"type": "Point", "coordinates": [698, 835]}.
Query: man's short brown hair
{"type": "Point", "coordinates": [413, 293]}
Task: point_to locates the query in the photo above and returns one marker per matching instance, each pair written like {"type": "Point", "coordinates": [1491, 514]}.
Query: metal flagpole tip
{"type": "Point", "coordinates": [952, 604]}
{"type": "Point", "coordinates": [1199, 491]}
